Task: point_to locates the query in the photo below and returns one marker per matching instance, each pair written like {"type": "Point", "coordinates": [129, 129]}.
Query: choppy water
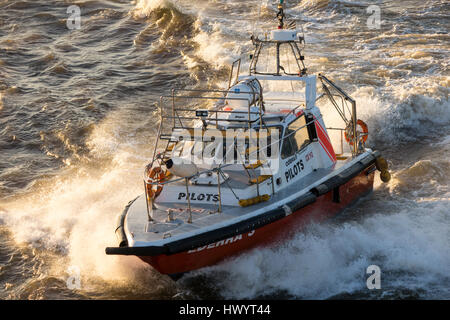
{"type": "Point", "coordinates": [77, 119]}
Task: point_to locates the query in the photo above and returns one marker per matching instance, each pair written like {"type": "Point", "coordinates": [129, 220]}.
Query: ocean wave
{"type": "Point", "coordinates": [143, 8]}
{"type": "Point", "coordinates": [414, 110]}
{"type": "Point", "coordinates": [73, 215]}
{"type": "Point", "coordinates": [411, 247]}
{"type": "Point", "coordinates": [427, 178]}
{"type": "Point", "coordinates": [67, 207]}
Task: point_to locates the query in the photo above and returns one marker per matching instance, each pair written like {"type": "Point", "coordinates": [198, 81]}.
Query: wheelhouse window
{"type": "Point", "coordinates": [296, 137]}
{"type": "Point", "coordinates": [263, 145]}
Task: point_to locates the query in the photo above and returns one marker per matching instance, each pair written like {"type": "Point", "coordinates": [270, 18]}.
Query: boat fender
{"type": "Point", "coordinates": [287, 209]}
{"type": "Point", "coordinates": [367, 160]}
{"type": "Point", "coordinates": [121, 237]}
{"type": "Point", "coordinates": [200, 240]}
{"type": "Point", "coordinates": [376, 154]}
{"type": "Point", "coordinates": [385, 176]}
{"type": "Point", "coordinates": [320, 190]}
{"type": "Point", "coordinates": [353, 171]}
{"type": "Point", "coordinates": [120, 222]}
{"type": "Point", "coordinates": [335, 181]}
{"type": "Point", "coordinates": [136, 251]}
{"type": "Point", "coordinates": [370, 170]}
{"type": "Point", "coordinates": [301, 202]}
{"type": "Point", "coordinates": [343, 177]}
{"type": "Point", "coordinates": [381, 164]}
{"type": "Point", "coordinates": [225, 232]}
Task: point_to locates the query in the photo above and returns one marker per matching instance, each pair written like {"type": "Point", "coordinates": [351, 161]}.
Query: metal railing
{"type": "Point", "coordinates": [299, 58]}
{"type": "Point", "coordinates": [256, 102]}
{"type": "Point", "coordinates": [346, 97]}
{"type": "Point", "coordinates": [219, 171]}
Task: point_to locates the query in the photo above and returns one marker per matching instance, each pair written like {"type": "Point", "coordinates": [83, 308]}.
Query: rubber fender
{"type": "Point", "coordinates": [385, 176]}
{"type": "Point", "coordinates": [225, 232]}
{"type": "Point", "coordinates": [320, 190]}
{"type": "Point", "coordinates": [381, 164]}
{"type": "Point", "coordinates": [334, 182]}
{"type": "Point", "coordinates": [120, 221]}
{"type": "Point", "coordinates": [121, 238]}
{"type": "Point", "coordinates": [367, 160]}
{"type": "Point", "coordinates": [301, 202]}
{"type": "Point", "coordinates": [136, 251]}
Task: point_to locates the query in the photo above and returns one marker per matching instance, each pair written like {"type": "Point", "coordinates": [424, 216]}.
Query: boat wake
{"type": "Point", "coordinates": [330, 261]}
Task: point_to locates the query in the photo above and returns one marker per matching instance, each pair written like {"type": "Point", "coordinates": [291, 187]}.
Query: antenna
{"type": "Point", "coordinates": [280, 14]}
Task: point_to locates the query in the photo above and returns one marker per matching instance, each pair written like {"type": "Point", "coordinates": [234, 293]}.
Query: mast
{"type": "Point", "coordinates": [280, 14]}
{"type": "Point", "coordinates": [283, 37]}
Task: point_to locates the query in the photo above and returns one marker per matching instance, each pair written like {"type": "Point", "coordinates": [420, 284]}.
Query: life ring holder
{"type": "Point", "coordinates": [154, 175]}
{"type": "Point", "coordinates": [348, 134]}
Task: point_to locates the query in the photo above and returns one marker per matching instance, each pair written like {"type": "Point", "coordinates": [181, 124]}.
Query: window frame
{"type": "Point", "coordinates": [298, 149]}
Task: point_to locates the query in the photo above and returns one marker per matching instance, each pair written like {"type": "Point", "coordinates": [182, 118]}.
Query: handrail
{"type": "Point", "coordinates": [221, 166]}
{"type": "Point", "coordinates": [217, 111]}
{"type": "Point", "coordinates": [321, 76]}
{"type": "Point", "coordinates": [215, 119]}
{"type": "Point", "coordinates": [238, 61]}
{"type": "Point", "coordinates": [175, 114]}
{"type": "Point", "coordinates": [208, 90]}
{"type": "Point", "coordinates": [224, 111]}
{"type": "Point", "coordinates": [353, 102]}
{"type": "Point", "coordinates": [211, 98]}
{"type": "Point", "coordinates": [292, 111]}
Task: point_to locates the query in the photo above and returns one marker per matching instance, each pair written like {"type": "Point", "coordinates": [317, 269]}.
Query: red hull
{"type": "Point", "coordinates": [323, 208]}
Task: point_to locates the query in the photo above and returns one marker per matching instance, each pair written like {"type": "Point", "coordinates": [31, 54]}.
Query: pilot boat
{"type": "Point", "coordinates": [246, 166]}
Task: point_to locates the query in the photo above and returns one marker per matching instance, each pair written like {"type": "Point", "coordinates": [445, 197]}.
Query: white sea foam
{"type": "Point", "coordinates": [404, 112]}
{"type": "Point", "coordinates": [411, 247]}
{"type": "Point", "coordinates": [74, 214]}
{"type": "Point", "coordinates": [144, 7]}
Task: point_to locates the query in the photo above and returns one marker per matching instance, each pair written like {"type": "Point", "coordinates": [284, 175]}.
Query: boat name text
{"type": "Point", "coordinates": [222, 242]}
{"type": "Point", "coordinates": [199, 197]}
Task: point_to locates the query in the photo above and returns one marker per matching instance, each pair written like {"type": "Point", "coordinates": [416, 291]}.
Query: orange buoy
{"type": "Point", "coordinates": [349, 136]}
{"type": "Point", "coordinates": [156, 175]}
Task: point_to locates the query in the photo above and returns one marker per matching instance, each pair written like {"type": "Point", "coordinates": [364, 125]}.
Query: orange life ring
{"type": "Point", "coordinates": [349, 137]}
{"type": "Point", "coordinates": [156, 175]}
